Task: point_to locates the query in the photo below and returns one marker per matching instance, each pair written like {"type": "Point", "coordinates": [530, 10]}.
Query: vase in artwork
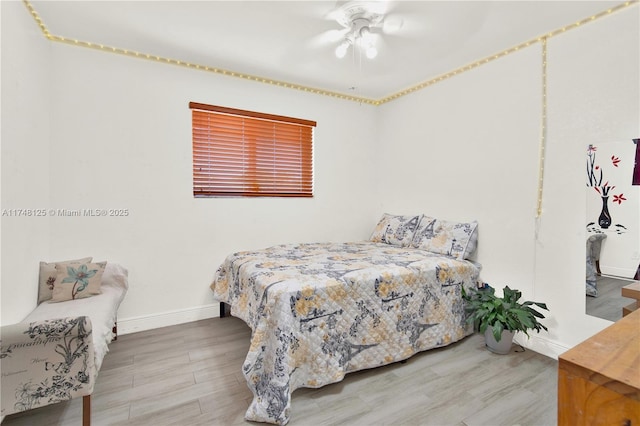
{"type": "Point", "coordinates": [604, 220]}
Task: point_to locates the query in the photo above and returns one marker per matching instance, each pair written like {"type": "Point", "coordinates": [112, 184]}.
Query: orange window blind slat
{"type": "Point", "coordinates": [250, 154]}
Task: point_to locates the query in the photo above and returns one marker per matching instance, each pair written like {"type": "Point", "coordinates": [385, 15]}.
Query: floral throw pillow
{"type": "Point", "coordinates": [455, 239]}
{"type": "Point", "coordinates": [48, 276]}
{"type": "Point", "coordinates": [395, 230]}
{"type": "Point", "coordinates": [77, 281]}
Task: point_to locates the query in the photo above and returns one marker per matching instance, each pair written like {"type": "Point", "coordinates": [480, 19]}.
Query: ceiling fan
{"type": "Point", "coordinates": [362, 22]}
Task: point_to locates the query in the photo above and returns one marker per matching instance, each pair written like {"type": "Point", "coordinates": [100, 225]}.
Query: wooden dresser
{"type": "Point", "coordinates": [632, 291]}
{"type": "Point", "coordinates": [599, 379]}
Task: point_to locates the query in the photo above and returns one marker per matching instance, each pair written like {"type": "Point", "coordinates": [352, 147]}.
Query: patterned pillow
{"type": "Point", "coordinates": [473, 242]}
{"type": "Point", "coordinates": [77, 281]}
{"type": "Point", "coordinates": [395, 230]}
{"type": "Point", "coordinates": [48, 275]}
{"type": "Point", "coordinates": [454, 239]}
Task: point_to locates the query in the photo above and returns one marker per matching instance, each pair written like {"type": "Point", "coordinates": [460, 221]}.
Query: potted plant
{"type": "Point", "coordinates": [500, 317]}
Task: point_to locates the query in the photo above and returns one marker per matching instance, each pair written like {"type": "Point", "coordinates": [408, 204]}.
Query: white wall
{"type": "Point", "coordinates": [467, 148]}
{"type": "Point", "coordinates": [25, 157]}
{"type": "Point", "coordinates": [594, 95]}
{"type": "Point", "coordinates": [121, 139]}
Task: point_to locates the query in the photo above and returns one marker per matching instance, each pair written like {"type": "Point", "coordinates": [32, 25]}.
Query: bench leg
{"type": "Point", "coordinates": [86, 410]}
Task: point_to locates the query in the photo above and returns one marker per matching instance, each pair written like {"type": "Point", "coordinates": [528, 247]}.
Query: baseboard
{"type": "Point", "coordinates": [541, 345]}
{"type": "Point", "coordinates": [165, 319]}
{"type": "Point", "coordinates": [618, 272]}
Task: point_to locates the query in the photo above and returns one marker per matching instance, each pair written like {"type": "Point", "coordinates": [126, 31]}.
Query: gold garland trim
{"type": "Point", "coordinates": [314, 90]}
{"type": "Point", "coordinates": [543, 128]}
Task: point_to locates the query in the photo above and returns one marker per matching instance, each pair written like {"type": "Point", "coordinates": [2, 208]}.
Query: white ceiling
{"type": "Point", "coordinates": [282, 40]}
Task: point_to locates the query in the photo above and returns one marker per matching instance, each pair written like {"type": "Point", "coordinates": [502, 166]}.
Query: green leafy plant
{"type": "Point", "coordinates": [502, 313]}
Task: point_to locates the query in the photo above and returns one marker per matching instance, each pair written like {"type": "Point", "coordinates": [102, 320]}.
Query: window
{"type": "Point", "coordinates": [250, 154]}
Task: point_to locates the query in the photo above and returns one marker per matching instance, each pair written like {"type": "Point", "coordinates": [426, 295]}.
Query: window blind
{"type": "Point", "coordinates": [250, 154]}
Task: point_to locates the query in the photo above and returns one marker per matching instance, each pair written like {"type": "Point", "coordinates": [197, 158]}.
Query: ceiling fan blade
{"type": "Point", "coordinates": [345, 11]}
{"type": "Point", "coordinates": [380, 7]}
{"type": "Point", "coordinates": [328, 37]}
{"type": "Point", "coordinates": [337, 12]}
{"type": "Point", "coordinates": [392, 24]}
{"type": "Point", "coordinates": [404, 26]}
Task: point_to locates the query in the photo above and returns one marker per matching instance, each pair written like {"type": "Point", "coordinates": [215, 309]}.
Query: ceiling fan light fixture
{"type": "Point", "coordinates": [342, 48]}
{"type": "Point", "coordinates": [359, 17]}
{"type": "Point", "coordinates": [371, 52]}
{"type": "Point", "coordinates": [365, 34]}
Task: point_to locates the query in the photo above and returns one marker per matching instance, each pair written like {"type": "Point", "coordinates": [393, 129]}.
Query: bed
{"type": "Point", "coordinates": [320, 310]}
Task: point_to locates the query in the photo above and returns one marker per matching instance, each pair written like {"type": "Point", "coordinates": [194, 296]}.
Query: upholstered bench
{"type": "Point", "coordinates": [55, 353]}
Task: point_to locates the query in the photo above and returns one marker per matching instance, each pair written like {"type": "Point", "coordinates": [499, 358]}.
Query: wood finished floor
{"type": "Point", "coordinates": [190, 374]}
{"type": "Point", "coordinates": [609, 303]}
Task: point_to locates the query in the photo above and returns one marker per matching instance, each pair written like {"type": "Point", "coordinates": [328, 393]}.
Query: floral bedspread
{"type": "Point", "coordinates": [318, 311]}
